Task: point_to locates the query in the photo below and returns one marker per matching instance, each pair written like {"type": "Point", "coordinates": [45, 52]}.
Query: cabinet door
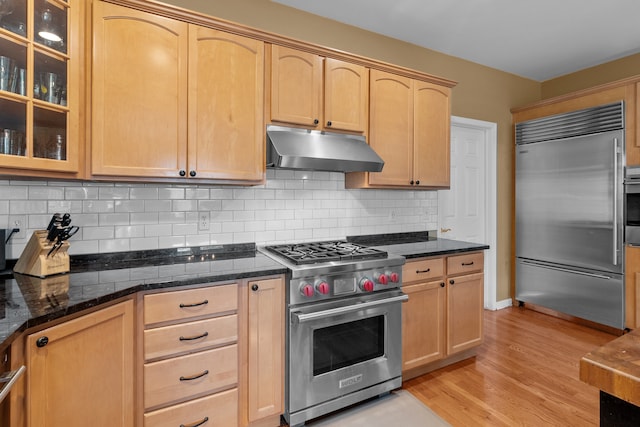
{"type": "Point", "coordinates": [226, 106]}
{"type": "Point", "coordinates": [296, 87]}
{"type": "Point", "coordinates": [465, 302]}
{"type": "Point", "coordinates": [632, 112]}
{"type": "Point", "coordinates": [632, 287]}
{"type": "Point", "coordinates": [266, 348]}
{"type": "Point", "coordinates": [139, 93]}
{"type": "Point", "coordinates": [423, 319]}
{"type": "Point", "coordinates": [83, 375]}
{"type": "Point", "coordinates": [346, 96]}
{"type": "Point", "coordinates": [391, 128]}
{"type": "Point", "coordinates": [431, 131]}
{"type": "Point", "coordinates": [41, 87]}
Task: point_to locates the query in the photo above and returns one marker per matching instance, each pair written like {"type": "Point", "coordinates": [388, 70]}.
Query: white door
{"type": "Point", "coordinates": [461, 209]}
{"type": "Point", "coordinates": [467, 211]}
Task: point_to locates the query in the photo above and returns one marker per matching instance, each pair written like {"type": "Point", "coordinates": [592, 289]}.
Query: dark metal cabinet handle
{"type": "Point", "coordinates": [42, 341]}
{"type": "Point", "coordinates": [329, 123]}
{"type": "Point", "coordinates": [316, 121]}
{"type": "Point", "coordinates": [196, 424]}
{"type": "Point", "coordinates": [254, 287]}
{"type": "Point", "coordinates": [196, 337]}
{"type": "Point", "coordinates": [423, 271]}
{"type": "Point", "coordinates": [195, 377]}
{"type": "Point", "coordinates": [418, 182]}
{"type": "Point", "coordinates": [442, 285]}
{"type": "Point", "coordinates": [195, 304]}
{"type": "Point", "coordinates": [467, 263]}
{"type": "Point", "coordinates": [192, 173]}
{"type": "Point", "coordinates": [182, 172]}
{"type": "Point", "coordinates": [411, 182]}
{"type": "Point", "coordinates": [451, 282]}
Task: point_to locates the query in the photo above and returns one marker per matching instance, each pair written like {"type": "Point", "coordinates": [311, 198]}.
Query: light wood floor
{"type": "Point", "coordinates": [525, 374]}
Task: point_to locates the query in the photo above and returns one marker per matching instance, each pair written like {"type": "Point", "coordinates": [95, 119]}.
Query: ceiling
{"type": "Point", "coordinates": [539, 39]}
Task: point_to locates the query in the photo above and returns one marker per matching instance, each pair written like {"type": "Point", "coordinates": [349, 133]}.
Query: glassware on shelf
{"type": "Point", "coordinates": [12, 142]}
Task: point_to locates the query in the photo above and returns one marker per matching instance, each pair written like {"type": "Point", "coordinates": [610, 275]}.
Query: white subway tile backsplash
{"type": "Point", "coordinates": [113, 219]}
{"type": "Point", "coordinates": [45, 193]}
{"type": "Point", "coordinates": [291, 206]}
{"type": "Point", "coordinates": [163, 230]}
{"type": "Point", "coordinates": [129, 231]}
{"type": "Point", "coordinates": [129, 206]}
{"type": "Point", "coordinates": [81, 193]}
{"type": "Point", "coordinates": [144, 193]}
{"type": "Point", "coordinates": [145, 243]}
{"type": "Point", "coordinates": [114, 192]}
{"type": "Point", "coordinates": [98, 206]}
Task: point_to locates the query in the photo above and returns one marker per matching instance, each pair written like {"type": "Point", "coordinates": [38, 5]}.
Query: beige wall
{"type": "Point", "coordinates": [482, 93]}
{"type": "Point", "coordinates": [593, 76]}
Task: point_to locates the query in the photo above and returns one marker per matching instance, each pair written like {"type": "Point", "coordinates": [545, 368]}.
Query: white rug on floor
{"type": "Point", "coordinates": [399, 408]}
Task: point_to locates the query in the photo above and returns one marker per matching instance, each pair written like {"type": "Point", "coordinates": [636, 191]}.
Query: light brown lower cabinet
{"type": "Point", "coordinates": [632, 287]}
{"type": "Point", "coordinates": [214, 355]}
{"type": "Point", "coordinates": [81, 372]}
{"type": "Point", "coordinates": [208, 355]}
{"type": "Point", "coordinates": [442, 321]}
{"type": "Point", "coordinates": [265, 376]}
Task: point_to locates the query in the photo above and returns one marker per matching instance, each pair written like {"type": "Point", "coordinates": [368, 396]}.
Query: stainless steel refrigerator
{"type": "Point", "coordinates": [569, 213]}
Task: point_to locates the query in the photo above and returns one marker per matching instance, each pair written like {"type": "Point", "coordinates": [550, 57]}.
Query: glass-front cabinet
{"type": "Point", "coordinates": [40, 43]}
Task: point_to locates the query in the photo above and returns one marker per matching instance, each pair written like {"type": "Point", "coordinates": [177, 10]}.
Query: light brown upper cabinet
{"type": "Point", "coordinates": [41, 88]}
{"type": "Point", "coordinates": [410, 129]}
{"type": "Point", "coordinates": [317, 92]}
{"type": "Point", "coordinates": [174, 100]}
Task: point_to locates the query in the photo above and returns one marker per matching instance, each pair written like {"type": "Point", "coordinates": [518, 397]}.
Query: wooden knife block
{"type": "Point", "coordinates": [34, 260]}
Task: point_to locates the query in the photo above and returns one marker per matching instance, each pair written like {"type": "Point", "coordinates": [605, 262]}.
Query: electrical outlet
{"type": "Point", "coordinates": [203, 221]}
{"type": "Point", "coordinates": [18, 221]}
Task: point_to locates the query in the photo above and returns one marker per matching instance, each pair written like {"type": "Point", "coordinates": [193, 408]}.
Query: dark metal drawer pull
{"type": "Point", "coordinates": [205, 302]}
{"type": "Point", "coordinates": [196, 424]}
{"type": "Point", "coordinates": [197, 337]}
{"type": "Point", "coordinates": [423, 271]}
{"type": "Point", "coordinates": [467, 263]}
{"type": "Point", "coordinates": [195, 377]}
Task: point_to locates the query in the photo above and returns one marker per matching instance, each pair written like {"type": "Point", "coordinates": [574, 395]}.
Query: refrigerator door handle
{"type": "Point", "coordinates": [566, 270]}
{"type": "Point", "coordinates": [616, 150]}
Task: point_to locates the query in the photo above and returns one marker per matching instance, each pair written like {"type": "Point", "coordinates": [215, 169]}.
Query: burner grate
{"type": "Point", "coordinates": [318, 252]}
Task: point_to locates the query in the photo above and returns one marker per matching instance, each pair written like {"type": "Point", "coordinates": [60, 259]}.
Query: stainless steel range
{"type": "Point", "coordinates": [344, 320]}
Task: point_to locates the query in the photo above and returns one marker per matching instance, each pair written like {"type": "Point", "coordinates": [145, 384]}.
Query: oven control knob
{"type": "Point", "coordinates": [382, 278]}
{"type": "Point", "coordinates": [394, 277]}
{"type": "Point", "coordinates": [306, 290]}
{"type": "Point", "coordinates": [322, 287]}
{"type": "Point", "coordinates": [366, 284]}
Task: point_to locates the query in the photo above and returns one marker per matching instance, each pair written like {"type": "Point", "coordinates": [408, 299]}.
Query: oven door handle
{"type": "Point", "coordinates": [297, 317]}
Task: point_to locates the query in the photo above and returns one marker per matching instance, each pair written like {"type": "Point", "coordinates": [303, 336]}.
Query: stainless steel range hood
{"type": "Point", "coordinates": [292, 148]}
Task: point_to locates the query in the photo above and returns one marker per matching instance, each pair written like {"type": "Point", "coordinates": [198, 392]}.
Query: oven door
{"type": "Point", "coordinates": [342, 347]}
{"type": "Point", "coordinates": [632, 211]}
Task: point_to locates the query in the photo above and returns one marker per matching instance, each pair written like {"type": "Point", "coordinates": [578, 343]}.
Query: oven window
{"type": "Point", "coordinates": [633, 209]}
{"type": "Point", "coordinates": [346, 344]}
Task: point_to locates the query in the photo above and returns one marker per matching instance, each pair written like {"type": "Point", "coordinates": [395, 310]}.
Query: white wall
{"type": "Point", "coordinates": [292, 206]}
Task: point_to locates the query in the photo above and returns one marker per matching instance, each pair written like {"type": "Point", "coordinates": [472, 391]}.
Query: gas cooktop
{"type": "Point", "coordinates": [318, 252]}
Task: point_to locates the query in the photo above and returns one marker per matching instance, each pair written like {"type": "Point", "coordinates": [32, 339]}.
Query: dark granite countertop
{"type": "Point", "coordinates": [27, 301]}
{"type": "Point", "coordinates": [417, 245]}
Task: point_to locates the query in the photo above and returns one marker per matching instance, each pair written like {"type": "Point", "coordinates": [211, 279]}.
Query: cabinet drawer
{"type": "Point", "coordinates": [220, 409]}
{"type": "Point", "coordinates": [190, 337]}
{"type": "Point", "coordinates": [426, 269]}
{"type": "Point", "coordinates": [467, 263]}
{"type": "Point", "coordinates": [169, 380]}
{"type": "Point", "coordinates": [182, 305]}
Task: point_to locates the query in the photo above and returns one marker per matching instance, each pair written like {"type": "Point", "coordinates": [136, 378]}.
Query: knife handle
{"type": "Point", "coordinates": [53, 233]}
{"type": "Point", "coordinates": [54, 219]}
